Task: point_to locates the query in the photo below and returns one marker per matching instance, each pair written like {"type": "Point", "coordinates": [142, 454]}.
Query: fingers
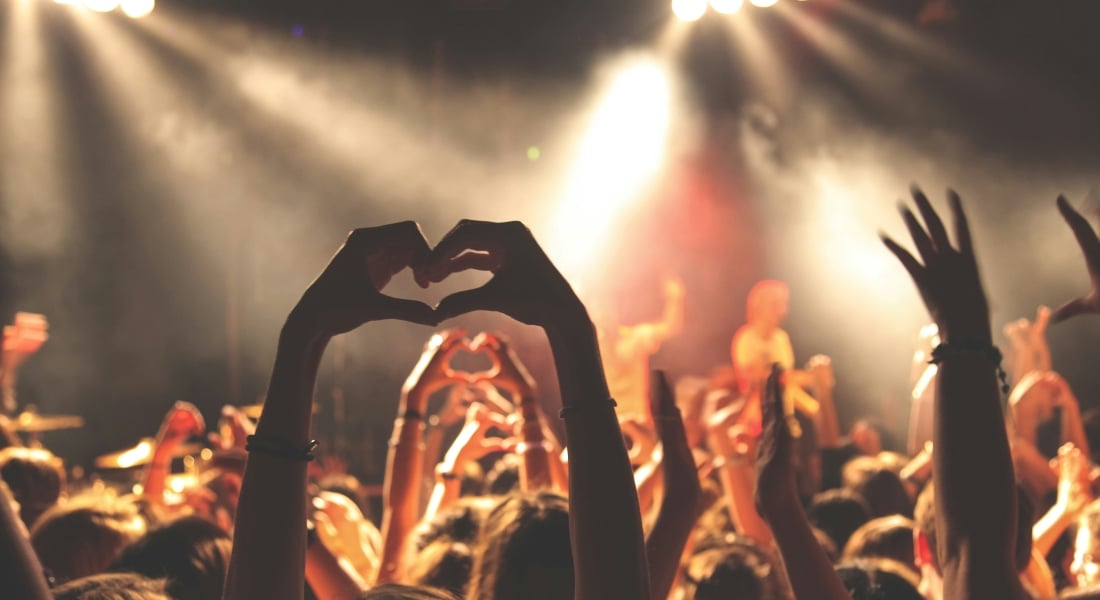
{"type": "Point", "coordinates": [935, 225]}
{"type": "Point", "coordinates": [920, 238]}
{"type": "Point", "coordinates": [661, 400]}
{"type": "Point", "coordinates": [962, 226]}
{"type": "Point", "coordinates": [1077, 306]}
{"type": "Point", "coordinates": [466, 301]}
{"type": "Point", "coordinates": [915, 269]}
{"type": "Point", "coordinates": [1086, 237]}
{"type": "Point", "coordinates": [469, 260]}
{"type": "Point", "coordinates": [479, 236]}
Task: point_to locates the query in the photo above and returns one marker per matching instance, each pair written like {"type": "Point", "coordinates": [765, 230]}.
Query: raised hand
{"type": "Point", "coordinates": [1090, 247]}
{"type": "Point", "coordinates": [433, 371]}
{"type": "Point", "coordinates": [508, 372]}
{"type": "Point", "coordinates": [525, 285]}
{"type": "Point", "coordinates": [948, 279]}
{"type": "Point", "coordinates": [776, 484]}
{"type": "Point", "coordinates": [348, 292]}
{"type": "Point", "coordinates": [182, 421]}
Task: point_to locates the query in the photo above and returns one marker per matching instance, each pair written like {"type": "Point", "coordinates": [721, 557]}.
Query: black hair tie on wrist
{"type": "Point", "coordinates": [989, 351]}
{"type": "Point", "coordinates": [280, 448]}
{"type": "Point", "coordinates": [567, 411]}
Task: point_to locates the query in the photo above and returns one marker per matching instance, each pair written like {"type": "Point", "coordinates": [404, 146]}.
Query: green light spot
{"type": "Point", "coordinates": [533, 153]}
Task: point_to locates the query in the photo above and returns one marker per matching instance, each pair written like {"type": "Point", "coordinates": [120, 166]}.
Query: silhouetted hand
{"type": "Point", "coordinates": [182, 421]}
{"type": "Point", "coordinates": [948, 279]}
{"type": "Point", "coordinates": [433, 371]}
{"type": "Point", "coordinates": [525, 285]}
{"type": "Point", "coordinates": [775, 477]}
{"type": "Point", "coordinates": [1090, 247]}
{"type": "Point", "coordinates": [347, 293]}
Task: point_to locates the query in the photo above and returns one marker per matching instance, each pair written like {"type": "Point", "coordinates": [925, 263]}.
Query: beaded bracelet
{"type": "Point", "coordinates": [279, 447]}
{"type": "Point", "coordinates": [990, 352]}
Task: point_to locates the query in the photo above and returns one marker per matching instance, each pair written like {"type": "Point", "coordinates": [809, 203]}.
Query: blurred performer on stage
{"type": "Point", "coordinates": [761, 343]}
{"type": "Point", "coordinates": [626, 350]}
{"type": "Point", "coordinates": [21, 339]}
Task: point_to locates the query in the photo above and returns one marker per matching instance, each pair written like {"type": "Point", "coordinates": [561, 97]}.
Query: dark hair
{"type": "Point", "coordinates": [35, 478]}
{"type": "Point", "coordinates": [881, 487]}
{"type": "Point", "coordinates": [84, 536]}
{"type": "Point", "coordinates": [839, 513]}
{"type": "Point", "coordinates": [396, 591]}
{"type": "Point", "coordinates": [349, 486]}
{"type": "Point", "coordinates": [740, 569]}
{"type": "Point", "coordinates": [459, 522]}
{"type": "Point", "coordinates": [525, 550]}
{"type": "Point", "coordinates": [191, 553]}
{"type": "Point", "coordinates": [877, 580]}
{"type": "Point", "coordinates": [503, 478]}
{"type": "Point", "coordinates": [884, 537]}
{"type": "Point", "coordinates": [112, 586]}
{"type": "Point", "coordinates": [444, 564]}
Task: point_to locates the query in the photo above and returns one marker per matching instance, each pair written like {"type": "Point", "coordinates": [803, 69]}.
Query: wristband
{"type": "Point", "coordinates": [567, 411]}
{"type": "Point", "coordinates": [988, 351]}
{"type": "Point", "coordinates": [280, 448]}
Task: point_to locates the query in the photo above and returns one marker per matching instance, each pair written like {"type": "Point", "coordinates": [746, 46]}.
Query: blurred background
{"type": "Point", "coordinates": [173, 174]}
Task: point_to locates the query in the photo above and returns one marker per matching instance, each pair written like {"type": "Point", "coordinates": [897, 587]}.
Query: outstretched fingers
{"type": "Point", "coordinates": [915, 269]}
{"type": "Point", "coordinates": [1086, 237]}
{"type": "Point", "coordinates": [936, 231]}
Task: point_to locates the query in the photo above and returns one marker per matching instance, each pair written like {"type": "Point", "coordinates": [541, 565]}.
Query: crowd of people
{"type": "Point", "coordinates": [737, 484]}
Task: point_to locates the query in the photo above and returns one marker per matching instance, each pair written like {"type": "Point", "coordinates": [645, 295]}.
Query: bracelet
{"type": "Point", "coordinates": [566, 411]}
{"type": "Point", "coordinates": [410, 413]}
{"type": "Point", "coordinates": [989, 351]}
{"type": "Point", "coordinates": [280, 448]}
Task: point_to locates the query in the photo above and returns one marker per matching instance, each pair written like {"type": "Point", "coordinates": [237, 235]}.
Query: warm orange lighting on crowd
{"type": "Point", "coordinates": [689, 10]}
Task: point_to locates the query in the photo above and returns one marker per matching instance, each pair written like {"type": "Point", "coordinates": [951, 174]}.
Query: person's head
{"type": "Point", "coordinates": [112, 586]}
{"type": "Point", "coordinates": [503, 478]}
{"type": "Point", "coordinates": [884, 537]}
{"type": "Point", "coordinates": [443, 564]}
{"type": "Point", "coordinates": [882, 488]}
{"type": "Point", "coordinates": [459, 522]}
{"type": "Point", "coordinates": [866, 435]}
{"type": "Point", "coordinates": [524, 550]}
{"type": "Point", "coordinates": [878, 580]}
{"type": "Point", "coordinates": [191, 554]}
{"type": "Point", "coordinates": [396, 591]}
{"type": "Point", "coordinates": [738, 569]}
{"type": "Point", "coordinates": [347, 486]}
{"type": "Point", "coordinates": [82, 537]}
{"type": "Point", "coordinates": [767, 304]}
{"type": "Point", "coordinates": [839, 513]}
{"type": "Point", "coordinates": [35, 477]}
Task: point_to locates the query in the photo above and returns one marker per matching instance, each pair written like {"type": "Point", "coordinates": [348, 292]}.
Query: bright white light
{"type": "Point", "coordinates": [726, 7]}
{"type": "Point", "coordinates": [763, 3]}
{"type": "Point", "coordinates": [136, 9]}
{"type": "Point", "coordinates": [101, 5]}
{"type": "Point", "coordinates": [620, 151]}
{"type": "Point", "coordinates": [689, 10]}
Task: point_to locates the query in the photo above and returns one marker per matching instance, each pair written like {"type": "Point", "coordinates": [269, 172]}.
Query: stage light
{"type": "Point", "coordinates": [763, 3]}
{"type": "Point", "coordinates": [136, 9]}
{"type": "Point", "coordinates": [726, 7]}
{"type": "Point", "coordinates": [101, 5]}
{"type": "Point", "coordinates": [689, 10]}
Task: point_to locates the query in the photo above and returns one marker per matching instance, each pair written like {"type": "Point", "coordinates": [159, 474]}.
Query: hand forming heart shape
{"type": "Point", "coordinates": [525, 284]}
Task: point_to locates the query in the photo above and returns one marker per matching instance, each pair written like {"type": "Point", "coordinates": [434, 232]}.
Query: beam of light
{"type": "Point", "coordinates": [727, 7]}
{"type": "Point", "coordinates": [763, 3]}
{"type": "Point", "coordinates": [34, 189]}
{"type": "Point", "coordinates": [136, 9]}
{"type": "Point", "coordinates": [100, 5]}
{"type": "Point", "coordinates": [840, 49]}
{"type": "Point", "coordinates": [769, 77]}
{"type": "Point", "coordinates": [620, 151]}
{"type": "Point", "coordinates": [689, 10]}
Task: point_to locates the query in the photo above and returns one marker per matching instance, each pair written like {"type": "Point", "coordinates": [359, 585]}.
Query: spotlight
{"type": "Point", "coordinates": [763, 3]}
{"type": "Point", "coordinates": [689, 10]}
{"type": "Point", "coordinates": [101, 5]}
{"type": "Point", "coordinates": [726, 7]}
{"type": "Point", "coordinates": [136, 9]}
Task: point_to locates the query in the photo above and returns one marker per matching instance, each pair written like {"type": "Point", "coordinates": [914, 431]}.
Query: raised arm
{"type": "Point", "coordinates": [972, 466]}
{"type": "Point", "coordinates": [182, 421]}
{"type": "Point", "coordinates": [1090, 248]}
{"type": "Point", "coordinates": [680, 505]}
{"type": "Point", "coordinates": [269, 542]}
{"type": "Point", "coordinates": [605, 524]}
{"type": "Point", "coordinates": [405, 461]}
{"type": "Point", "coordinates": [808, 567]}
{"type": "Point", "coordinates": [20, 570]}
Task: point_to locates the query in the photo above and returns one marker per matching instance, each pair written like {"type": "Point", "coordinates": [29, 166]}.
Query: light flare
{"type": "Point", "coordinates": [689, 10]}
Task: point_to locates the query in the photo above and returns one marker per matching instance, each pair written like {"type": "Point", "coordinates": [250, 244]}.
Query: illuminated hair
{"type": "Point", "coordinates": [739, 569]}
{"type": "Point", "coordinates": [884, 537]}
{"type": "Point", "coordinates": [114, 586]}
{"type": "Point", "coordinates": [525, 550]}
{"type": "Point", "coordinates": [191, 553]}
{"type": "Point", "coordinates": [761, 292]}
{"type": "Point", "coordinates": [84, 536]}
{"type": "Point", "coordinates": [36, 479]}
